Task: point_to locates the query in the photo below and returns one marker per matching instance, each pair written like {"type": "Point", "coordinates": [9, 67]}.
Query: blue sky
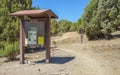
{"type": "Point", "coordinates": [70, 10]}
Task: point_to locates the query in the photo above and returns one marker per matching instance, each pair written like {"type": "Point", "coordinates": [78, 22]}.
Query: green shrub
{"type": "Point", "coordinates": [54, 43]}
{"type": "Point", "coordinates": [10, 51]}
{"type": "Point", "coordinates": [1, 45]}
{"type": "Point", "coordinates": [101, 18]}
{"type": "Point", "coordinates": [1, 53]}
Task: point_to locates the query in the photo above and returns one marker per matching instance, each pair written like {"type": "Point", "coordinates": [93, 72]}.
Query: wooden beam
{"type": "Point", "coordinates": [22, 39]}
{"type": "Point", "coordinates": [47, 39]}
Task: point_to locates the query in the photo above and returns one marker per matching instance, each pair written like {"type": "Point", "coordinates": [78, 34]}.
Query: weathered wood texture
{"type": "Point", "coordinates": [34, 14]}
{"type": "Point", "coordinates": [22, 39]}
{"type": "Point", "coordinates": [47, 39]}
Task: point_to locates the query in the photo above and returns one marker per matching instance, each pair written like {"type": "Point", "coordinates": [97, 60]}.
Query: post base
{"type": "Point", "coordinates": [47, 61]}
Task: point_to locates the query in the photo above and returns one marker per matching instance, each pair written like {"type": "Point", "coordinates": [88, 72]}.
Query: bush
{"type": "Point", "coordinates": [1, 52]}
{"type": "Point", "coordinates": [54, 43]}
{"type": "Point", "coordinates": [101, 18]}
{"type": "Point", "coordinates": [1, 45]}
{"type": "Point", "coordinates": [10, 51]}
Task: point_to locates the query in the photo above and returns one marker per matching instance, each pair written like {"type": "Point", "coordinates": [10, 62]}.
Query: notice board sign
{"type": "Point", "coordinates": [40, 40]}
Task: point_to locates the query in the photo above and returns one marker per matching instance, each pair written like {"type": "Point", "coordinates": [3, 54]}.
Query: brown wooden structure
{"type": "Point", "coordinates": [44, 15]}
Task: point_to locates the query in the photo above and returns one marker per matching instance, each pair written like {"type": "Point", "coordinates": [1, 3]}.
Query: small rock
{"type": "Point", "coordinates": [30, 62]}
{"type": "Point", "coordinates": [102, 65]}
{"type": "Point", "coordinates": [62, 69]}
{"type": "Point", "coordinates": [36, 57]}
{"type": "Point", "coordinates": [52, 54]}
{"type": "Point", "coordinates": [55, 74]}
{"type": "Point", "coordinates": [64, 74]}
{"type": "Point", "coordinates": [39, 70]}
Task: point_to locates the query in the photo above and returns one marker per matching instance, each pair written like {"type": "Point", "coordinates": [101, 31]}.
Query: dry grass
{"type": "Point", "coordinates": [104, 45]}
{"type": "Point", "coordinates": [100, 57]}
{"type": "Point", "coordinates": [69, 37]}
{"type": "Point", "coordinates": [74, 37]}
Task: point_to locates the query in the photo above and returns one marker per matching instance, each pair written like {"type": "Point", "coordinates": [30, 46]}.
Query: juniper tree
{"type": "Point", "coordinates": [101, 17]}
{"type": "Point", "coordinates": [9, 26]}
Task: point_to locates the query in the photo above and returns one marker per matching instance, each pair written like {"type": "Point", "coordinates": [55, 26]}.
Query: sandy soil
{"type": "Point", "coordinates": [70, 59]}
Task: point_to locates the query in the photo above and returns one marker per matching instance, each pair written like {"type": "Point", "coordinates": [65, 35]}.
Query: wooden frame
{"type": "Point", "coordinates": [48, 14]}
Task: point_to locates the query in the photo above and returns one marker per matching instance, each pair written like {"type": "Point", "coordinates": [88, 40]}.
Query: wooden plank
{"type": "Point", "coordinates": [22, 39]}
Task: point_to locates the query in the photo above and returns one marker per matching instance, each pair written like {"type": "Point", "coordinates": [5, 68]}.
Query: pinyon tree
{"type": "Point", "coordinates": [101, 18]}
{"type": "Point", "coordinates": [9, 26]}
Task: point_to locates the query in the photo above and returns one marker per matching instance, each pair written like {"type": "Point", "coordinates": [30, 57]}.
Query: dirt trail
{"type": "Point", "coordinates": [90, 65]}
{"type": "Point", "coordinates": [68, 59]}
{"type": "Point", "coordinates": [99, 57]}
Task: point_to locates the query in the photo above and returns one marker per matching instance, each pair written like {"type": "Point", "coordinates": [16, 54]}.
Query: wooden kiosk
{"type": "Point", "coordinates": [40, 20]}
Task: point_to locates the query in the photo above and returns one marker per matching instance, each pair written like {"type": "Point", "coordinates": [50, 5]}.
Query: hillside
{"type": "Point", "coordinates": [69, 57]}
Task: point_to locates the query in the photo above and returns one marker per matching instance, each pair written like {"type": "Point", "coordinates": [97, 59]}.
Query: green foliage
{"type": "Point", "coordinates": [54, 43]}
{"type": "Point", "coordinates": [101, 17]}
{"type": "Point", "coordinates": [2, 48]}
{"type": "Point", "coordinates": [10, 51]}
{"type": "Point", "coordinates": [54, 27]}
{"type": "Point", "coordinates": [79, 25]}
{"type": "Point", "coordinates": [59, 27]}
{"type": "Point", "coordinates": [25, 4]}
{"type": "Point", "coordinates": [75, 26]}
{"type": "Point", "coordinates": [1, 53]}
{"type": "Point", "coordinates": [9, 26]}
{"type": "Point", "coordinates": [1, 45]}
{"type": "Point", "coordinates": [64, 26]}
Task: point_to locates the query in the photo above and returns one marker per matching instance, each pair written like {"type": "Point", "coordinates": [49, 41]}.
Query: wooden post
{"type": "Point", "coordinates": [22, 34]}
{"type": "Point", "coordinates": [81, 32]}
{"type": "Point", "coordinates": [47, 39]}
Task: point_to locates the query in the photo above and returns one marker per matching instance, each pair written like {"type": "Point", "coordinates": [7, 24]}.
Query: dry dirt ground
{"type": "Point", "coordinates": [69, 57]}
